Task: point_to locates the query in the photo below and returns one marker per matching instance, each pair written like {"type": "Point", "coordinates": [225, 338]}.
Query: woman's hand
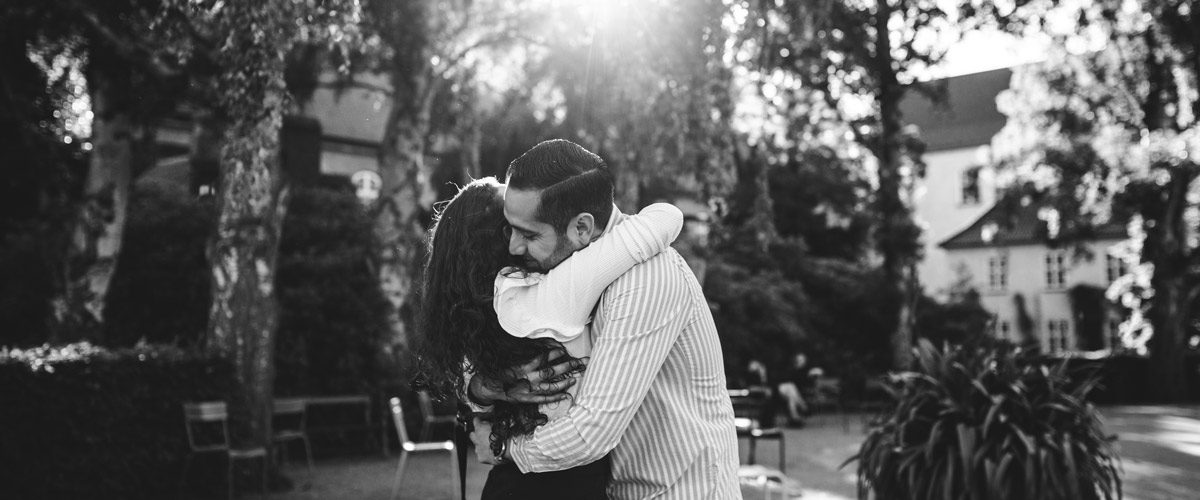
{"type": "Point", "coordinates": [481, 436]}
{"type": "Point", "coordinates": [545, 379]}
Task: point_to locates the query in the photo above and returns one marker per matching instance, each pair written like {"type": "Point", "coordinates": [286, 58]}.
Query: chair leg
{"type": "Point", "coordinates": [265, 466]}
{"type": "Point", "coordinates": [308, 454]}
{"type": "Point", "coordinates": [782, 459]}
{"type": "Point", "coordinates": [454, 493]}
{"type": "Point", "coordinates": [399, 474]}
{"type": "Point", "coordinates": [425, 430]}
{"type": "Point", "coordinates": [229, 477]}
{"type": "Point", "coordinates": [187, 465]}
{"type": "Point", "coordinates": [753, 446]}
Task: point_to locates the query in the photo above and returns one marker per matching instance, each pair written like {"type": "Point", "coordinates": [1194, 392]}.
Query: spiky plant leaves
{"type": "Point", "coordinates": [988, 424]}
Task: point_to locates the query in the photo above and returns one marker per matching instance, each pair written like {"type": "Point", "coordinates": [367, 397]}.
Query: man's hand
{"type": "Point", "coordinates": [481, 436]}
{"type": "Point", "coordinates": [544, 379]}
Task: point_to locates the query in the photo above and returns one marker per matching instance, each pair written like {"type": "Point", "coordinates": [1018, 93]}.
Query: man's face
{"type": "Point", "coordinates": [538, 243]}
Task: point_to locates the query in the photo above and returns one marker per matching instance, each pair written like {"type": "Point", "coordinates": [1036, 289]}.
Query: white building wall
{"type": "Point", "coordinates": [940, 209]}
{"type": "Point", "coordinates": [353, 112]}
{"type": "Point", "coordinates": [1027, 275]}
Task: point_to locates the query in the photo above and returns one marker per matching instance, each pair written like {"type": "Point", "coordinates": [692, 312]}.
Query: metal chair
{"type": "Point", "coordinates": [207, 425]}
{"type": "Point", "coordinates": [748, 420]}
{"type": "Point", "coordinates": [430, 417]}
{"type": "Point", "coordinates": [827, 396]}
{"type": "Point", "coordinates": [407, 446]}
{"type": "Point", "coordinates": [288, 423]}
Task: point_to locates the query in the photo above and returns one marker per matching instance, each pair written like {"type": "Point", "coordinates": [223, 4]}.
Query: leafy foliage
{"type": "Point", "coordinates": [960, 321]}
{"type": "Point", "coordinates": [333, 315]}
{"type": "Point", "coordinates": [972, 423]}
{"type": "Point", "coordinates": [81, 421]}
{"type": "Point", "coordinates": [160, 291]}
{"type": "Point", "coordinates": [1107, 130]}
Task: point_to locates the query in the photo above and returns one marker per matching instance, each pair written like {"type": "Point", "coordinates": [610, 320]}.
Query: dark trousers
{"type": "Point", "coordinates": [586, 482]}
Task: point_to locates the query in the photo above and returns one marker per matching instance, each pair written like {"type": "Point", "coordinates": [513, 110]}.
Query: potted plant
{"type": "Point", "coordinates": [987, 423]}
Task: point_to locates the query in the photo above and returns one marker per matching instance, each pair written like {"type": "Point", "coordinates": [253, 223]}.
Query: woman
{"type": "Point", "coordinates": [469, 275]}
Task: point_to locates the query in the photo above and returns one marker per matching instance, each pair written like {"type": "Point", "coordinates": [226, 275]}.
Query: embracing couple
{"type": "Point", "coordinates": [582, 341]}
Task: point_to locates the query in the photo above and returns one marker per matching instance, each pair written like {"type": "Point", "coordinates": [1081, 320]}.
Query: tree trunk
{"type": "Point", "coordinates": [1166, 247]}
{"type": "Point", "coordinates": [472, 147]}
{"type": "Point", "coordinates": [627, 180]}
{"type": "Point", "coordinates": [891, 199]}
{"type": "Point", "coordinates": [98, 226]}
{"type": "Point", "coordinates": [1168, 308]}
{"type": "Point", "coordinates": [251, 202]}
{"type": "Point", "coordinates": [405, 196]}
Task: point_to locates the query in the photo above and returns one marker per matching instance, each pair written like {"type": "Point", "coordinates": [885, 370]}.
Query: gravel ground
{"type": "Point", "coordinates": [1160, 449]}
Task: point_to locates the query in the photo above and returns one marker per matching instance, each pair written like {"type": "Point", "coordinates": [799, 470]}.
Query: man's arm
{"type": "Point", "coordinates": [557, 303]}
{"type": "Point", "coordinates": [644, 313]}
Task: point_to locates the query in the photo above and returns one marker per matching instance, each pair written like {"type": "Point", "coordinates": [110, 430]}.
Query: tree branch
{"type": "Point", "coordinates": [453, 61]}
{"type": "Point", "coordinates": [130, 49]}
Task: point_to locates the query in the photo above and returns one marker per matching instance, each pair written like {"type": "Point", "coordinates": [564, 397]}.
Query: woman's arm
{"type": "Point", "coordinates": [560, 301]}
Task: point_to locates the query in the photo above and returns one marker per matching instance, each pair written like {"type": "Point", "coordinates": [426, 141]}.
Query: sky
{"type": "Point", "coordinates": [980, 51]}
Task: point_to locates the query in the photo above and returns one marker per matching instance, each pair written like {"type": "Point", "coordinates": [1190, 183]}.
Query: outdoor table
{"type": "Point", "coordinates": [348, 400]}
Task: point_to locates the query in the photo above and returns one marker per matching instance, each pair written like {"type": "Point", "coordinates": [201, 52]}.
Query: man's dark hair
{"type": "Point", "coordinates": [572, 180]}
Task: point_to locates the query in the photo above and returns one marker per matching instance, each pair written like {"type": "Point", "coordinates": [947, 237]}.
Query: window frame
{"type": "Point", "coordinates": [1056, 266]}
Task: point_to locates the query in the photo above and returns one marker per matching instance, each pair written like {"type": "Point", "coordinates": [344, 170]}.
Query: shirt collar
{"type": "Point", "coordinates": [614, 219]}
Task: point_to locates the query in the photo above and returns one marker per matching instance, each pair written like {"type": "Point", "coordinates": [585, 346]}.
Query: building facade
{"type": "Point", "coordinates": [971, 242]}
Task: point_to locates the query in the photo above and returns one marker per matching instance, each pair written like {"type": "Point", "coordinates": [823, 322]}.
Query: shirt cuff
{"type": "Point", "coordinates": [518, 454]}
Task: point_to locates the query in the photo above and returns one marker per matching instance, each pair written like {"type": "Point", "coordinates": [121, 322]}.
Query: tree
{"type": "Point", "coordinates": [858, 60]}
{"type": "Point", "coordinates": [646, 86]}
{"type": "Point", "coordinates": [41, 168]}
{"type": "Point", "coordinates": [107, 113]}
{"type": "Point", "coordinates": [1106, 130]}
{"type": "Point", "coordinates": [421, 49]}
{"type": "Point", "coordinates": [251, 98]}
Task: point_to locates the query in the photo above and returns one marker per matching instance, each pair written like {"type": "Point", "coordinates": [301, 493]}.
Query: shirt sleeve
{"type": "Point", "coordinates": [644, 312]}
{"type": "Point", "coordinates": [557, 304]}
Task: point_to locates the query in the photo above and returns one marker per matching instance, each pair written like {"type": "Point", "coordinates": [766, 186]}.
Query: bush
{"type": "Point", "coordinates": [962, 320]}
{"type": "Point", "coordinates": [332, 312]}
{"type": "Point", "coordinates": [79, 421]}
{"type": "Point", "coordinates": [333, 315]}
{"type": "Point", "coordinates": [987, 424]}
{"type": "Point", "coordinates": [160, 291]}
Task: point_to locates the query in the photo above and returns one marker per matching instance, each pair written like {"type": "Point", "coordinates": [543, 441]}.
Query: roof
{"type": "Point", "coordinates": [1016, 226]}
{"type": "Point", "coordinates": [968, 117]}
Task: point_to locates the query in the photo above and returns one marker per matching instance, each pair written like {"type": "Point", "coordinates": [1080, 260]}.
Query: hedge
{"type": "Point", "coordinates": [83, 422]}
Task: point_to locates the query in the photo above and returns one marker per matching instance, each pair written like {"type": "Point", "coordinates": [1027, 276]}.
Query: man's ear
{"type": "Point", "coordinates": [582, 229]}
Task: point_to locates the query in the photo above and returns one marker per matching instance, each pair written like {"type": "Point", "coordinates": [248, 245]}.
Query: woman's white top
{"type": "Point", "coordinates": [558, 304]}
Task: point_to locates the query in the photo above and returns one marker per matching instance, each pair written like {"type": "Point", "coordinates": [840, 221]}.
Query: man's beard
{"type": "Point", "coordinates": [563, 249]}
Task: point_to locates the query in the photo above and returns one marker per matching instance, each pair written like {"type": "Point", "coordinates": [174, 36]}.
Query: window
{"type": "Point", "coordinates": [1057, 333]}
{"type": "Point", "coordinates": [1116, 268]}
{"type": "Point", "coordinates": [1056, 269]}
{"type": "Point", "coordinates": [998, 272]}
{"type": "Point", "coordinates": [970, 186]}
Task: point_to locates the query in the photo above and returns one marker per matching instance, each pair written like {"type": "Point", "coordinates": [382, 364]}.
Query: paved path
{"type": "Point", "coordinates": [1160, 450]}
{"type": "Point", "coordinates": [1159, 446]}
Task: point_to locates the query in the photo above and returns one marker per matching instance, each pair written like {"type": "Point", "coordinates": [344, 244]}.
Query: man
{"type": "Point", "coordinates": [654, 394]}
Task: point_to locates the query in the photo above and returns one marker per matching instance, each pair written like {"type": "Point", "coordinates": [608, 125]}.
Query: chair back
{"type": "Point", "coordinates": [289, 413]}
{"type": "Point", "coordinates": [747, 403]}
{"type": "Point", "coordinates": [425, 402]}
{"type": "Point", "coordinates": [197, 416]}
{"type": "Point", "coordinates": [398, 419]}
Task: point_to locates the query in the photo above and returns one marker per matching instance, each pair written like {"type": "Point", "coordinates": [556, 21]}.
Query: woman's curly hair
{"type": "Point", "coordinates": [457, 325]}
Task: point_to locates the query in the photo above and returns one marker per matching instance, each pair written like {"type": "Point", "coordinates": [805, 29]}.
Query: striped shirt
{"type": "Point", "coordinates": [654, 394]}
{"type": "Point", "coordinates": [558, 304]}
